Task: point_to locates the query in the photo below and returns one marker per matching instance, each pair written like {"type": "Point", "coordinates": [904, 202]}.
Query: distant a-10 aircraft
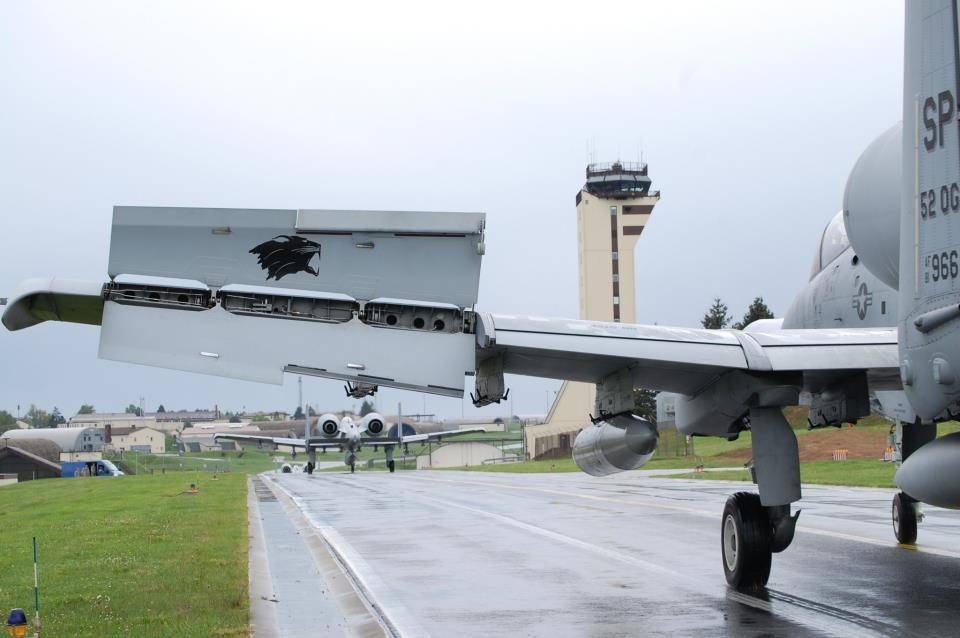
{"type": "Point", "coordinates": [346, 435]}
{"type": "Point", "coordinates": [388, 298]}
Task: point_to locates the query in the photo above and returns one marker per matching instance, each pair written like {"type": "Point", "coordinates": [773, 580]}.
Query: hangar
{"type": "Point", "coordinates": [29, 459]}
{"type": "Point", "coordinates": [73, 442]}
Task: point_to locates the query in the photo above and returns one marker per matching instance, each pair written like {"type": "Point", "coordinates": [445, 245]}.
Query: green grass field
{"type": "Point", "coordinates": [857, 473]}
{"type": "Point", "coordinates": [129, 556]}
{"type": "Point", "coordinates": [253, 461]}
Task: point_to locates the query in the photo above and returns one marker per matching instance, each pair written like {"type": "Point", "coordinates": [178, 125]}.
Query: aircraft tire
{"type": "Point", "coordinates": [309, 468]}
{"type": "Point", "coordinates": [353, 468]}
{"type": "Point", "coordinates": [391, 465]}
{"type": "Point", "coordinates": [904, 515]}
{"type": "Point", "coordinates": [745, 542]}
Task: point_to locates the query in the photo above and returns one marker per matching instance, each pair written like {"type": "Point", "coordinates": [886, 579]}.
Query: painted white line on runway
{"type": "Point", "coordinates": [807, 617]}
{"type": "Point", "coordinates": [394, 614]}
{"type": "Point", "coordinates": [699, 512]}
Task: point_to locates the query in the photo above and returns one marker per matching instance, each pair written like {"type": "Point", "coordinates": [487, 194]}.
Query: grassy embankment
{"type": "Point", "coordinates": [253, 461]}
{"type": "Point", "coordinates": [129, 556]}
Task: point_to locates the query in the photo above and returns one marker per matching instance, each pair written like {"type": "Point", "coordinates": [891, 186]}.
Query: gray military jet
{"type": "Point", "coordinates": [346, 435]}
{"type": "Point", "coordinates": [388, 298]}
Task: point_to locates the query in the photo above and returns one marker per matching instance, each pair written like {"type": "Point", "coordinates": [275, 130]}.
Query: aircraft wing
{"type": "Point", "coordinates": [275, 440]}
{"type": "Point", "coordinates": [252, 294]}
{"type": "Point", "coordinates": [413, 438]}
{"type": "Point", "coordinates": [681, 360]}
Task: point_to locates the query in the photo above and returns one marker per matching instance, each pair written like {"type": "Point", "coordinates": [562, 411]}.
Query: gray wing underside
{"type": "Point", "coordinates": [681, 360]}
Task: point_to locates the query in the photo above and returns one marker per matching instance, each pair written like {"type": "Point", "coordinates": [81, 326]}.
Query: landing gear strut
{"type": "Point", "coordinates": [755, 526]}
{"type": "Point", "coordinates": [905, 512]}
{"type": "Point", "coordinates": [389, 452]}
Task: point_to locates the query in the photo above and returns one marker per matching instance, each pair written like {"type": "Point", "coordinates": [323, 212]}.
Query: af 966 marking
{"type": "Point", "coordinates": [941, 266]}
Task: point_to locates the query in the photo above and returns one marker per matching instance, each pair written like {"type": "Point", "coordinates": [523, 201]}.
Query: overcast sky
{"type": "Point", "coordinates": [750, 115]}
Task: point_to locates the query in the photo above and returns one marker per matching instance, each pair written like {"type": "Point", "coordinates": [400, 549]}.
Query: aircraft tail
{"type": "Point", "coordinates": [929, 321]}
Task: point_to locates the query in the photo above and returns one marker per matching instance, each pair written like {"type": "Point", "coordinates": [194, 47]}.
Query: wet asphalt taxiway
{"type": "Point", "coordinates": [470, 554]}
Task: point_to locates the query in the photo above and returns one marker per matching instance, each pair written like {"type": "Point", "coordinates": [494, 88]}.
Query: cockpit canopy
{"type": "Point", "coordinates": [832, 243]}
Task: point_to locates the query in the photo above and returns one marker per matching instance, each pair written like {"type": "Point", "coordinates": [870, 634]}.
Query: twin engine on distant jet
{"type": "Point", "coordinates": [329, 425]}
{"type": "Point", "coordinates": [616, 444]}
{"type": "Point", "coordinates": [373, 424]}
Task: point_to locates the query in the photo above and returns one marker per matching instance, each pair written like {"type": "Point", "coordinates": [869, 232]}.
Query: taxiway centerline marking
{"type": "Point", "coordinates": [696, 512]}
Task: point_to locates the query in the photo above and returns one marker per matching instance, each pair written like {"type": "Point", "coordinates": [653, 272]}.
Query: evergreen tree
{"type": "Point", "coordinates": [366, 408]}
{"type": "Point", "coordinates": [298, 413]}
{"type": "Point", "coordinates": [645, 404]}
{"type": "Point", "coordinates": [757, 310]}
{"type": "Point", "coordinates": [133, 409]}
{"type": "Point", "coordinates": [716, 316]}
{"type": "Point", "coordinates": [55, 418]}
{"type": "Point", "coordinates": [86, 408]}
{"type": "Point", "coordinates": [161, 409]}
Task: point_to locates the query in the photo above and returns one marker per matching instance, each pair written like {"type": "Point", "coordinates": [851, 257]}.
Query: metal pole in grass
{"type": "Point", "coordinates": [36, 588]}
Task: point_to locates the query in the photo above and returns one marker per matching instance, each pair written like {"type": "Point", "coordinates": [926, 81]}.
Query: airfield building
{"type": "Point", "coordinates": [113, 419]}
{"type": "Point", "coordinates": [613, 208]}
{"type": "Point", "coordinates": [70, 440]}
{"type": "Point", "coordinates": [28, 459]}
{"type": "Point", "coordinates": [147, 440]}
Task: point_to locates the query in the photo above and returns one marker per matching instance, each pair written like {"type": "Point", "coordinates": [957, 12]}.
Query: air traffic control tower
{"type": "Point", "coordinates": [613, 208]}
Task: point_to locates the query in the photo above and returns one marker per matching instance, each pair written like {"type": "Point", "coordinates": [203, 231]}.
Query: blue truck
{"type": "Point", "coordinates": [70, 469]}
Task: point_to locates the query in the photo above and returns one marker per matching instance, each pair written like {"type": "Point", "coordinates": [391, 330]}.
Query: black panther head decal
{"type": "Point", "coordinates": [287, 254]}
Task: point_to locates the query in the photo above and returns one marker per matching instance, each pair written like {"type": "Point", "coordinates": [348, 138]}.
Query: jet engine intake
{"type": "Point", "coordinates": [619, 443]}
{"type": "Point", "coordinates": [373, 424]}
{"type": "Point", "coordinates": [329, 425]}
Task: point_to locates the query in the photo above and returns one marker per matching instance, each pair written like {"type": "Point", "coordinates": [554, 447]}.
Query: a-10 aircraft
{"type": "Point", "coordinates": [346, 435]}
{"type": "Point", "coordinates": [388, 299]}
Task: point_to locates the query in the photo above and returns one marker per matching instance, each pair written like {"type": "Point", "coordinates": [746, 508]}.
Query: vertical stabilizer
{"type": "Point", "coordinates": [929, 327]}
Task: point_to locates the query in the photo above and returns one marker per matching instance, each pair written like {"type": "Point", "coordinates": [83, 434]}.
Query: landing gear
{"type": "Point", "coordinates": [755, 526]}
{"type": "Point", "coordinates": [388, 450]}
{"type": "Point", "coordinates": [353, 467]}
{"type": "Point", "coordinates": [310, 467]}
{"type": "Point", "coordinates": [745, 536]}
{"type": "Point", "coordinates": [391, 465]}
{"type": "Point", "coordinates": [904, 514]}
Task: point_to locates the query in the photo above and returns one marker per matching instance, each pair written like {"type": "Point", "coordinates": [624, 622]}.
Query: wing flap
{"type": "Point", "coordinates": [262, 348]}
{"type": "Point", "coordinates": [423, 256]}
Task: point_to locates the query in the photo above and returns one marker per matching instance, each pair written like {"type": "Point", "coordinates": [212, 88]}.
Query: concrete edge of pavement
{"type": "Point", "coordinates": [362, 619]}
{"type": "Point", "coordinates": [263, 617]}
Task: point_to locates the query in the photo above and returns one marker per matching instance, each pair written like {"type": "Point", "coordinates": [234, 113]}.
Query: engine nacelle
{"type": "Point", "coordinates": [373, 424]}
{"type": "Point", "coordinates": [328, 425]}
{"type": "Point", "coordinates": [624, 442]}
{"type": "Point", "coordinates": [871, 206]}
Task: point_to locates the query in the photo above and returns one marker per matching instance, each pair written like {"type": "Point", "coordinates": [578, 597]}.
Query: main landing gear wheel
{"type": "Point", "coordinates": [745, 541]}
{"type": "Point", "coordinates": [353, 468]}
{"type": "Point", "coordinates": [310, 467]}
{"type": "Point", "coordinates": [904, 512]}
{"type": "Point", "coordinates": [391, 466]}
